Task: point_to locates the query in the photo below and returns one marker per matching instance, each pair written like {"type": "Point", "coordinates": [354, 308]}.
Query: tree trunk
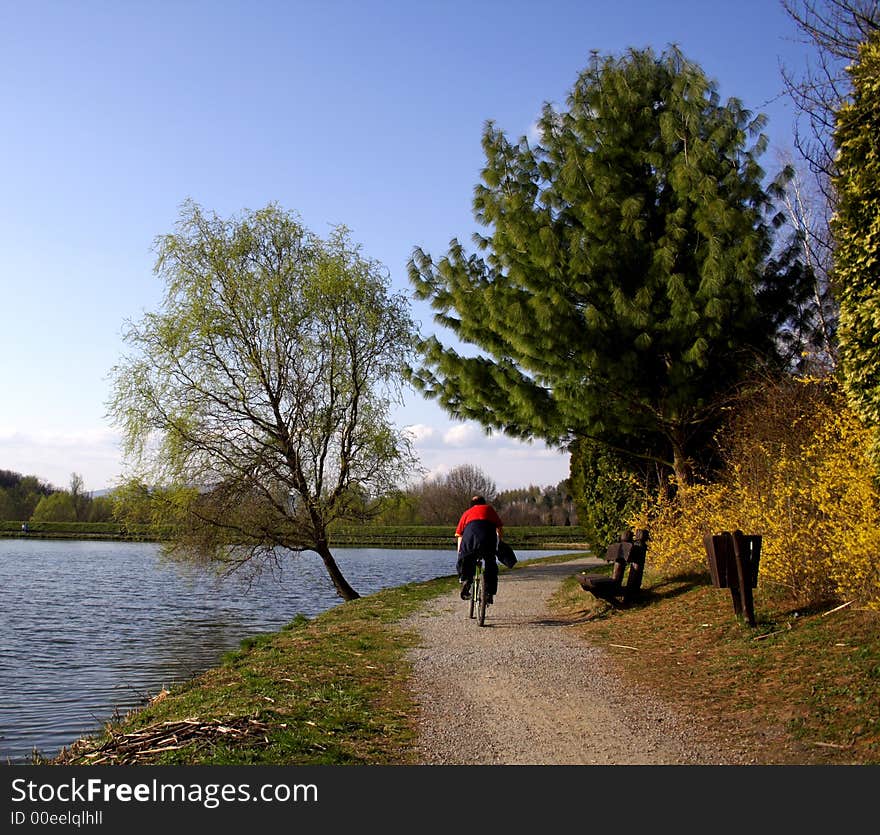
{"type": "Point", "coordinates": [343, 589]}
{"type": "Point", "coordinates": [682, 466]}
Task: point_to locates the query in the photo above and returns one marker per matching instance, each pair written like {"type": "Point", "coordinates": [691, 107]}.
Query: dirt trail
{"type": "Point", "coordinates": [525, 690]}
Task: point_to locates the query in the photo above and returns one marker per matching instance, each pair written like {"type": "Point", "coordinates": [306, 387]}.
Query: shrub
{"type": "Point", "coordinates": [798, 473]}
{"type": "Point", "coordinates": [678, 526]}
{"type": "Point", "coordinates": [606, 492]}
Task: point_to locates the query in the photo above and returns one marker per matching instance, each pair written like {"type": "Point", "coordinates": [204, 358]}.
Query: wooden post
{"type": "Point", "coordinates": [634, 579]}
{"type": "Point", "coordinates": [741, 554]}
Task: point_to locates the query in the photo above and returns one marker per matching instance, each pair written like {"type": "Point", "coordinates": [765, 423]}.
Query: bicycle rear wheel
{"type": "Point", "coordinates": [481, 604]}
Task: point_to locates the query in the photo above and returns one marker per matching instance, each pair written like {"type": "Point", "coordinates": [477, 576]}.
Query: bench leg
{"type": "Point", "coordinates": [744, 579]}
{"type": "Point", "coordinates": [633, 582]}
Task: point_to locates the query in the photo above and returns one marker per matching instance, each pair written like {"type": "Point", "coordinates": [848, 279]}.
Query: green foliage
{"type": "Point", "coordinates": [58, 507]}
{"type": "Point", "coordinates": [265, 382]}
{"type": "Point", "coordinates": [624, 254]}
{"type": "Point", "coordinates": [28, 498]}
{"type": "Point", "coordinates": [399, 507]}
{"type": "Point", "coordinates": [73, 505]}
{"type": "Point", "coordinates": [856, 229]}
{"type": "Point", "coordinates": [607, 491]}
{"type": "Point", "coordinates": [136, 505]}
{"type": "Point", "coordinates": [19, 495]}
{"type": "Point", "coordinates": [99, 509]}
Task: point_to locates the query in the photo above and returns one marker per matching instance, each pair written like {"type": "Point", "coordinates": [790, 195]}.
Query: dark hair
{"type": "Point", "coordinates": [477, 500]}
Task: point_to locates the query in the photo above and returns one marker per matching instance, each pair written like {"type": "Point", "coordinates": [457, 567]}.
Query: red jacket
{"type": "Point", "coordinates": [478, 511]}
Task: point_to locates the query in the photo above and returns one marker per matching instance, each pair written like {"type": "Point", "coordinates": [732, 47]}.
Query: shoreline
{"type": "Point", "coordinates": [369, 539]}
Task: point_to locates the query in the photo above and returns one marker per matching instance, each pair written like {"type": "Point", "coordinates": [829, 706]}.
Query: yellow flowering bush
{"type": "Point", "coordinates": [799, 474]}
{"type": "Point", "coordinates": [678, 525]}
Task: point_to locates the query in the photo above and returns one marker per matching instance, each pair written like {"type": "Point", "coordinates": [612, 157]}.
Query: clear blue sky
{"type": "Point", "coordinates": [363, 113]}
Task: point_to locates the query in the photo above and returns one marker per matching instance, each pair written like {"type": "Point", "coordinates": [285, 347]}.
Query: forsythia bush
{"type": "Point", "coordinates": [798, 473]}
{"type": "Point", "coordinates": [677, 527]}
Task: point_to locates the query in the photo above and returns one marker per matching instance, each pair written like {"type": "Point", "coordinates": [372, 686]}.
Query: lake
{"type": "Point", "coordinates": [91, 629]}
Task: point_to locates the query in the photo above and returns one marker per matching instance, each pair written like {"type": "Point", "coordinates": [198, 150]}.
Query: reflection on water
{"type": "Point", "coordinates": [88, 629]}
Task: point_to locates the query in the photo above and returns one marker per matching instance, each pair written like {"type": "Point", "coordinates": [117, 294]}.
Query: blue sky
{"type": "Point", "coordinates": [362, 113]}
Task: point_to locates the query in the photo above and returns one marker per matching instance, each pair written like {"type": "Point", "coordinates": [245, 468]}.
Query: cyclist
{"type": "Point", "coordinates": [478, 533]}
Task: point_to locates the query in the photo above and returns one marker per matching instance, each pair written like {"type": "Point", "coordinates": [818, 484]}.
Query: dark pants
{"type": "Point", "coordinates": [467, 564]}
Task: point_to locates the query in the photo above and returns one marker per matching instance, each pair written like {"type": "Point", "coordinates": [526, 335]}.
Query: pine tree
{"type": "Point", "coordinates": [615, 293]}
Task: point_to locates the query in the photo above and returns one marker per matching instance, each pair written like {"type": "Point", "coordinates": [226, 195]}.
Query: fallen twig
{"type": "Point", "coordinates": [837, 608]}
{"type": "Point", "coordinates": [768, 634]}
{"type": "Point", "coordinates": [141, 745]}
{"type": "Point", "coordinates": [623, 646]}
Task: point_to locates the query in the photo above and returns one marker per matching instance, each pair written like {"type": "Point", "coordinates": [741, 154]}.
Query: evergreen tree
{"type": "Point", "coordinates": [616, 297]}
{"type": "Point", "coordinates": [857, 231]}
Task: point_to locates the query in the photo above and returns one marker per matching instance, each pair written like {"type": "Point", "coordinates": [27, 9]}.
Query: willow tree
{"type": "Point", "coordinates": [615, 294]}
{"type": "Point", "coordinates": [262, 387]}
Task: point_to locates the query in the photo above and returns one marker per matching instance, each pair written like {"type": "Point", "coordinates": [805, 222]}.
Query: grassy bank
{"type": "Point", "coordinates": [802, 687]}
{"type": "Point", "coordinates": [85, 531]}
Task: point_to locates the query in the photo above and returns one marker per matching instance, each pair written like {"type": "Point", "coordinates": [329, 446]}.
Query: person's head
{"type": "Point", "coordinates": [475, 500]}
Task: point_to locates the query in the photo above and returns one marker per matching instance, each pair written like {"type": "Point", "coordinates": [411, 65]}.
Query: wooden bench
{"type": "Point", "coordinates": [627, 557]}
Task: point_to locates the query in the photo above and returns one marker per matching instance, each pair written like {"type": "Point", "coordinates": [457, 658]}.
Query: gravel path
{"type": "Point", "coordinates": [525, 690]}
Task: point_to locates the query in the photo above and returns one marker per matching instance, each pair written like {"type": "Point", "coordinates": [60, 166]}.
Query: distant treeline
{"type": "Point", "coordinates": [441, 500]}
{"type": "Point", "coordinates": [27, 498]}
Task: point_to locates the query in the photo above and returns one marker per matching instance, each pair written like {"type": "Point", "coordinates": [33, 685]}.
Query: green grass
{"type": "Point", "coordinates": [441, 536]}
{"type": "Point", "coordinates": [353, 536]}
{"type": "Point", "coordinates": [330, 690]}
{"type": "Point", "coordinates": [85, 530]}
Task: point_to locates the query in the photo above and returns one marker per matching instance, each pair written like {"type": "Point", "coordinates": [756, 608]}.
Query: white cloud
{"type": "Point", "coordinates": [54, 456]}
{"type": "Point", "coordinates": [420, 432]}
{"type": "Point", "coordinates": [96, 455]}
{"type": "Point", "coordinates": [507, 461]}
{"type": "Point", "coordinates": [462, 435]}
{"type": "Point", "coordinates": [535, 134]}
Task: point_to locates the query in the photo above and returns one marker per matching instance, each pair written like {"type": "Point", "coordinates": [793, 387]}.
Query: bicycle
{"type": "Point", "coordinates": [478, 593]}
